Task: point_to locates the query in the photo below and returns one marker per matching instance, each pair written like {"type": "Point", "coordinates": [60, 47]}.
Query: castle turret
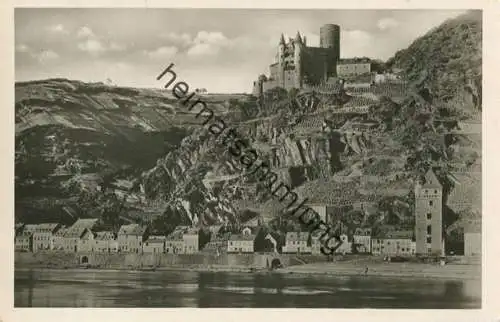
{"type": "Point", "coordinates": [298, 39]}
{"type": "Point", "coordinates": [297, 59]}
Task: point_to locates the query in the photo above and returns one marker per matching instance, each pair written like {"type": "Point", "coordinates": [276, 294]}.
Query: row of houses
{"type": "Point", "coordinates": [81, 237]}
{"type": "Point", "coordinates": [134, 238]}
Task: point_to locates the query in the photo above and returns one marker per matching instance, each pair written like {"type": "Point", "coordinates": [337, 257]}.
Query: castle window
{"type": "Point", "coordinates": [430, 203]}
{"type": "Point", "coordinates": [429, 216]}
{"type": "Point", "coordinates": [429, 229]}
{"type": "Point", "coordinates": [435, 191]}
{"type": "Point", "coordinates": [429, 240]}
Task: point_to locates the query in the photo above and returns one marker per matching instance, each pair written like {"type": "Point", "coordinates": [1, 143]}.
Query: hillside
{"type": "Point", "coordinates": [447, 62]}
{"type": "Point", "coordinates": [131, 155]}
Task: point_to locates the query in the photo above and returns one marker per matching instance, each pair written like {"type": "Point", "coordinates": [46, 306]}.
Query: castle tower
{"type": "Point", "coordinates": [329, 37]}
{"type": "Point", "coordinates": [281, 55]}
{"type": "Point", "coordinates": [298, 60]}
{"type": "Point", "coordinates": [429, 216]}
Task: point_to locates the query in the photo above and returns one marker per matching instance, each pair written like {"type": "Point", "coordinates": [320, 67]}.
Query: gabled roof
{"type": "Point", "coordinates": [61, 232]}
{"type": "Point", "coordinates": [156, 239]}
{"type": "Point", "coordinates": [431, 181]}
{"type": "Point", "coordinates": [104, 235]}
{"type": "Point", "coordinates": [354, 60]}
{"type": "Point", "coordinates": [180, 231]}
{"type": "Point", "coordinates": [132, 229]}
{"type": "Point", "coordinates": [79, 227]}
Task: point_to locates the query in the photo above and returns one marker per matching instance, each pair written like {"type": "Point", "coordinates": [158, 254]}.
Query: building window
{"type": "Point", "coordinates": [429, 229]}
{"type": "Point", "coordinates": [429, 216]}
{"type": "Point", "coordinates": [429, 240]}
{"type": "Point", "coordinates": [430, 203]}
{"type": "Point", "coordinates": [435, 191]}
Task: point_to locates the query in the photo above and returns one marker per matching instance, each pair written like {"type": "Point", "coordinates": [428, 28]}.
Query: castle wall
{"type": "Point", "coordinates": [318, 63]}
{"type": "Point", "coordinates": [274, 71]}
{"type": "Point", "coordinates": [289, 79]}
{"type": "Point", "coordinates": [269, 85]}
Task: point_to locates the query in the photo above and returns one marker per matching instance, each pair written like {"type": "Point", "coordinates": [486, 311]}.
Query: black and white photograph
{"type": "Point", "coordinates": [248, 158]}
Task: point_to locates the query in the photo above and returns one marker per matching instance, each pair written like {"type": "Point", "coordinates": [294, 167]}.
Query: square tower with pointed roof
{"type": "Point", "coordinates": [429, 216]}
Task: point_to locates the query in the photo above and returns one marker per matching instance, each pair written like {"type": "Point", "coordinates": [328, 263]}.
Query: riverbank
{"type": "Point", "coordinates": [403, 270]}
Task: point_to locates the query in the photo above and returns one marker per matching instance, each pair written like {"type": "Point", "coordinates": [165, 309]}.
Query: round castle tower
{"type": "Point", "coordinates": [329, 37]}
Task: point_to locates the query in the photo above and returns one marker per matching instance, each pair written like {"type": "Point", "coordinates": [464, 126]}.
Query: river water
{"type": "Point", "coordinates": [93, 288]}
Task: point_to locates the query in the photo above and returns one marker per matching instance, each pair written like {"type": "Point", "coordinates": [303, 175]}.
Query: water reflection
{"type": "Point", "coordinates": [86, 288]}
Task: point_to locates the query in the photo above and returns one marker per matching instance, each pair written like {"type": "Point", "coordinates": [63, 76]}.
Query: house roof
{"type": "Point", "coordinates": [156, 239]}
{"type": "Point", "coordinates": [61, 232]}
{"type": "Point", "coordinates": [104, 235]}
{"type": "Point", "coordinates": [396, 234]}
{"type": "Point", "coordinates": [297, 236]}
{"type": "Point", "coordinates": [132, 229]}
{"type": "Point", "coordinates": [245, 237]}
{"type": "Point", "coordinates": [354, 60]}
{"type": "Point", "coordinates": [40, 228]}
{"type": "Point", "coordinates": [79, 227]}
{"type": "Point", "coordinates": [180, 231]}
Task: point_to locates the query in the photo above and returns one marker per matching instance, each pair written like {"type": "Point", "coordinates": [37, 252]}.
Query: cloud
{"type": "Point", "coordinates": [95, 46]}
{"type": "Point", "coordinates": [387, 23]}
{"type": "Point", "coordinates": [162, 52]}
{"type": "Point", "coordinates": [85, 32]}
{"type": "Point", "coordinates": [59, 28]}
{"type": "Point", "coordinates": [21, 48]}
{"type": "Point", "coordinates": [46, 55]}
{"type": "Point", "coordinates": [203, 50]}
{"type": "Point", "coordinates": [92, 46]}
{"type": "Point", "coordinates": [210, 37]}
{"type": "Point", "coordinates": [180, 39]}
{"type": "Point", "coordinates": [208, 43]}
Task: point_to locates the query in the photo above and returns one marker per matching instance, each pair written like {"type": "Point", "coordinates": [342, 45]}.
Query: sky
{"type": "Point", "coordinates": [222, 50]}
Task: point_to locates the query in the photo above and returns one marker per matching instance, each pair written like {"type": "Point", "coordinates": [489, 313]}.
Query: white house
{"type": "Point", "coordinates": [241, 243]}
{"type": "Point", "coordinates": [297, 242]}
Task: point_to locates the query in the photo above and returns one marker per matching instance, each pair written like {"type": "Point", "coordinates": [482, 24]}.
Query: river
{"type": "Point", "coordinates": [105, 288]}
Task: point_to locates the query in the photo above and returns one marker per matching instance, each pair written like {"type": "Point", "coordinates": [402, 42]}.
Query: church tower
{"type": "Point", "coordinates": [429, 216]}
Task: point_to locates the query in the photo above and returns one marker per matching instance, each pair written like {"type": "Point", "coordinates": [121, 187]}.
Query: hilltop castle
{"type": "Point", "coordinates": [297, 65]}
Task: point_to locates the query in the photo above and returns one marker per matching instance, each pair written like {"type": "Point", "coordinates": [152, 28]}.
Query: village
{"type": "Point", "coordinates": [82, 238]}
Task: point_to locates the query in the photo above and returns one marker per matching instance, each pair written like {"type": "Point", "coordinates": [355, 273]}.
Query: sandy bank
{"type": "Point", "coordinates": [410, 270]}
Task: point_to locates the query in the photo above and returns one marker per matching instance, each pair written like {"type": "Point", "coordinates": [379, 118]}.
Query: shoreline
{"type": "Point", "coordinates": [409, 271]}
